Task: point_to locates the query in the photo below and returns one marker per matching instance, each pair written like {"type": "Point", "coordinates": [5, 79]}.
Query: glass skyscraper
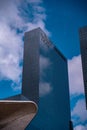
{"type": "Point", "coordinates": [83, 45]}
{"type": "Point", "coordinates": [46, 82]}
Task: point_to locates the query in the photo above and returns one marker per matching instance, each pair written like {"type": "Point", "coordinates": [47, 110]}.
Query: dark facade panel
{"type": "Point", "coordinates": [71, 125]}
{"type": "Point", "coordinates": [30, 80]}
{"type": "Point", "coordinates": [83, 46]}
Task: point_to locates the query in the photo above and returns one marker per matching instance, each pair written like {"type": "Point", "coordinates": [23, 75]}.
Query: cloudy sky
{"type": "Point", "coordinates": [61, 21]}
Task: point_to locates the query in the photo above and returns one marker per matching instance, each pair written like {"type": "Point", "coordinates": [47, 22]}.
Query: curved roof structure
{"type": "Point", "coordinates": [16, 115]}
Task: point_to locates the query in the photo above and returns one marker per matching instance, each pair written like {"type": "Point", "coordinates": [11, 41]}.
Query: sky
{"type": "Point", "coordinates": [61, 21]}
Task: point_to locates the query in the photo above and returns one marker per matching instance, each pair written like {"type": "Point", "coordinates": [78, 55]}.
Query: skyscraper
{"type": "Point", "coordinates": [83, 45]}
{"type": "Point", "coordinates": [44, 83]}
{"type": "Point", "coordinates": [47, 72]}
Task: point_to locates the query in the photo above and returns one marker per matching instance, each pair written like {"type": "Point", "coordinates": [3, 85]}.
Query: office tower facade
{"type": "Point", "coordinates": [83, 46]}
{"type": "Point", "coordinates": [46, 82]}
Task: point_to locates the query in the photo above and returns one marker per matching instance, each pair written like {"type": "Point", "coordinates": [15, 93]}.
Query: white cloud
{"type": "Point", "coordinates": [9, 13]}
{"type": "Point", "coordinates": [44, 88]}
{"type": "Point", "coordinates": [80, 127]}
{"type": "Point", "coordinates": [11, 43]}
{"type": "Point", "coordinates": [34, 1]}
{"type": "Point", "coordinates": [75, 75]}
{"type": "Point", "coordinates": [10, 53]}
{"type": "Point", "coordinates": [44, 63]}
{"type": "Point", "coordinates": [80, 111]}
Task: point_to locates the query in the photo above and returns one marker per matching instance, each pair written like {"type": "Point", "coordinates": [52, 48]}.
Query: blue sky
{"type": "Point", "coordinates": [61, 21]}
{"type": "Point", "coordinates": [64, 19]}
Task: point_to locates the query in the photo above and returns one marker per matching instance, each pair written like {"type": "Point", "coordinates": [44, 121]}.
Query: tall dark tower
{"type": "Point", "coordinates": [47, 82]}
{"type": "Point", "coordinates": [83, 45]}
